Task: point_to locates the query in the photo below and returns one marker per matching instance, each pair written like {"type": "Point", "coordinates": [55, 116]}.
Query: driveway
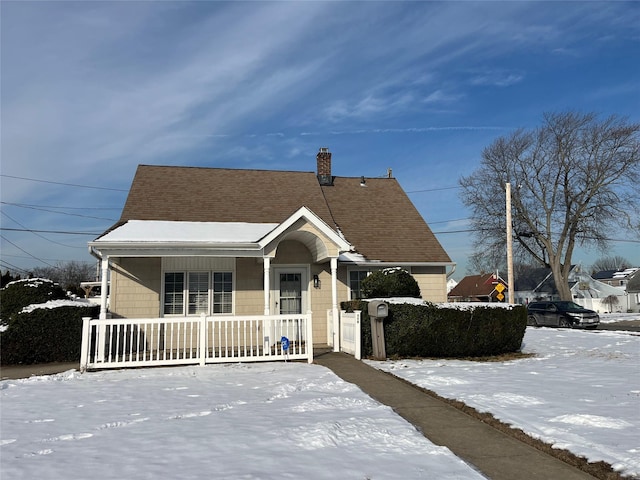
{"type": "Point", "coordinates": [627, 325]}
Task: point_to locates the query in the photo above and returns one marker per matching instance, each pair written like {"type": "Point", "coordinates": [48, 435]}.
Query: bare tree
{"type": "Point", "coordinates": [67, 274]}
{"type": "Point", "coordinates": [574, 179]}
{"type": "Point", "coordinates": [611, 300]}
{"type": "Point", "coordinates": [610, 263]}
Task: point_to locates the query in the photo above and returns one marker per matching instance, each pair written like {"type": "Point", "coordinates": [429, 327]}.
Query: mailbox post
{"type": "Point", "coordinates": [378, 311]}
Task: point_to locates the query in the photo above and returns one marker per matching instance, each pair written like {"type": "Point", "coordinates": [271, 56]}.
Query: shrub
{"type": "Point", "coordinates": [429, 331]}
{"type": "Point", "coordinates": [17, 295]}
{"type": "Point", "coordinates": [390, 282]}
{"type": "Point", "coordinates": [45, 335]}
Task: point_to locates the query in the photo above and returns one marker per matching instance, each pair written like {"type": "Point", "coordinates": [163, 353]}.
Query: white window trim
{"type": "Point", "coordinates": [306, 283]}
{"type": "Point", "coordinates": [355, 269]}
{"type": "Point", "coordinates": [185, 290]}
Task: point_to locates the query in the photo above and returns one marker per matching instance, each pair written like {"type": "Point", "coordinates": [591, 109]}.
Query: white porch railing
{"type": "Point", "coordinates": [350, 333]}
{"type": "Point", "coordinates": [133, 342]}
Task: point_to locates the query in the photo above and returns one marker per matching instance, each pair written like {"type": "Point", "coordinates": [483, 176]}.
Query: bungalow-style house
{"type": "Point", "coordinates": [195, 241]}
{"type": "Point", "coordinates": [487, 287]}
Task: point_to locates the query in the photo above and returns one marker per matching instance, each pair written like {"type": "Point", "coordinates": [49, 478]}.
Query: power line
{"type": "Point", "coordinates": [434, 189]}
{"type": "Point", "coordinates": [10, 267]}
{"type": "Point", "coordinates": [59, 213]}
{"type": "Point", "coordinates": [626, 240]}
{"type": "Point", "coordinates": [37, 234]}
{"type": "Point", "coordinates": [23, 250]}
{"type": "Point", "coordinates": [62, 208]}
{"type": "Point", "coordinates": [449, 221]}
{"type": "Point", "coordinates": [65, 184]}
{"type": "Point", "coordinates": [60, 232]}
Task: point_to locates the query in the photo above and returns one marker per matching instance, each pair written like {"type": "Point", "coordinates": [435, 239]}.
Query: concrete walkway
{"type": "Point", "coordinates": [25, 371]}
{"type": "Point", "coordinates": [491, 452]}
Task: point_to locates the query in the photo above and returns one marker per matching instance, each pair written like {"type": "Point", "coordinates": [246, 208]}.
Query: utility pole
{"type": "Point", "coordinates": [510, 247]}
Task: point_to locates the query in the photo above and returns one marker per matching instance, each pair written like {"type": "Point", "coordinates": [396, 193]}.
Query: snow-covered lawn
{"type": "Point", "coordinates": [250, 421]}
{"type": "Point", "coordinates": [580, 392]}
{"type": "Point", "coordinates": [618, 317]}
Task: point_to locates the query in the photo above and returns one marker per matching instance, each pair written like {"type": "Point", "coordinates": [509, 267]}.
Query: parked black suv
{"type": "Point", "coordinates": [561, 314]}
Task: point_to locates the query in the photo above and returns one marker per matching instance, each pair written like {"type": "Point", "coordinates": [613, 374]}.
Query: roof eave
{"type": "Point", "coordinates": [175, 249]}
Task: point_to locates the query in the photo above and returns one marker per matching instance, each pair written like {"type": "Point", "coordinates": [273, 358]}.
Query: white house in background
{"type": "Point", "coordinates": [615, 278]}
{"type": "Point", "coordinates": [587, 291]}
{"type": "Point", "coordinates": [597, 295]}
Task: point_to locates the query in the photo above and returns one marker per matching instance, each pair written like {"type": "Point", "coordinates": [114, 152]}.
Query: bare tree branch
{"type": "Point", "coordinates": [577, 179]}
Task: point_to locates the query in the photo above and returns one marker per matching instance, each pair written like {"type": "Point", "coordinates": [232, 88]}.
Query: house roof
{"type": "Point", "coordinates": [634, 282]}
{"type": "Point", "coordinates": [378, 219]}
{"type": "Point", "coordinates": [161, 231]}
{"type": "Point", "coordinates": [476, 285]}
{"type": "Point", "coordinates": [604, 274]}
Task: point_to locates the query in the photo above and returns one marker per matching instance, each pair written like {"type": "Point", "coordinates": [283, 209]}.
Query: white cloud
{"type": "Point", "coordinates": [497, 79]}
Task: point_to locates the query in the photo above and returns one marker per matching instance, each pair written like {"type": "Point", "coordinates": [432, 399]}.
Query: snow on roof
{"type": "Point", "coordinates": [624, 273]}
{"type": "Point", "coordinates": [167, 231]}
{"type": "Point", "coordinates": [351, 257]}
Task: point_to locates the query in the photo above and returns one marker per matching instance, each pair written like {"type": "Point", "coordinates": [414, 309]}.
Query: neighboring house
{"type": "Point", "coordinates": [586, 290]}
{"type": "Point", "coordinates": [594, 294]}
{"type": "Point", "coordinates": [615, 278]}
{"type": "Point", "coordinates": [534, 284]}
{"type": "Point", "coordinates": [216, 241]}
{"type": "Point", "coordinates": [488, 287]}
{"type": "Point", "coordinates": [633, 291]}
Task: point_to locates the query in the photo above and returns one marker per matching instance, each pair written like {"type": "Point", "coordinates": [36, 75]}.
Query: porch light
{"type": "Point", "coordinates": [316, 281]}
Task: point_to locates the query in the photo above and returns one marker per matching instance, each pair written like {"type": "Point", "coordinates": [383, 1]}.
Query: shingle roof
{"type": "Point", "coordinates": [379, 220]}
{"type": "Point", "coordinates": [474, 285]}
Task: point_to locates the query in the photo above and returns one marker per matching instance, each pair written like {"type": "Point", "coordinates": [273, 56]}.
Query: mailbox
{"type": "Point", "coordinates": [378, 309]}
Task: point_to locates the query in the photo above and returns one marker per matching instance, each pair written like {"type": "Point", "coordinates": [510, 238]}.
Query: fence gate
{"type": "Point", "coordinates": [350, 333]}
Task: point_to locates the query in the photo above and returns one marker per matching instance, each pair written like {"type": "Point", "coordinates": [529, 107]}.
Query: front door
{"type": "Point", "coordinates": [290, 291]}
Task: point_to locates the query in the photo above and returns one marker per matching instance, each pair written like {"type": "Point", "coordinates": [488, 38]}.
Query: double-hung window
{"type": "Point", "coordinates": [174, 293]}
{"type": "Point", "coordinates": [194, 293]}
{"type": "Point", "coordinates": [198, 293]}
{"type": "Point", "coordinates": [222, 292]}
{"type": "Point", "coordinates": [355, 281]}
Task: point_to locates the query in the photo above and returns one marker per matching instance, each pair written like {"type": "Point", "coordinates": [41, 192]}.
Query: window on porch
{"type": "Point", "coordinates": [205, 292]}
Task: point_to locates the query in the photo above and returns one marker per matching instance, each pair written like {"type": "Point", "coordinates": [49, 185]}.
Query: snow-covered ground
{"type": "Point", "coordinates": [580, 392]}
{"type": "Point", "coordinates": [249, 421]}
{"type": "Point", "coordinates": [618, 317]}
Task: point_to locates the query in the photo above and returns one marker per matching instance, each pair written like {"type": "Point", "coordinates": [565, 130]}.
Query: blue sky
{"type": "Point", "coordinates": [90, 90]}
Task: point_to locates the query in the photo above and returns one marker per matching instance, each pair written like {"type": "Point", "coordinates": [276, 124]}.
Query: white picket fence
{"type": "Point", "coordinates": [118, 343]}
{"type": "Point", "coordinates": [350, 333]}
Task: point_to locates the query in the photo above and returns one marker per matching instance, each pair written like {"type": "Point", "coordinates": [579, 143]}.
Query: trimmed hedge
{"type": "Point", "coordinates": [429, 331]}
{"type": "Point", "coordinates": [390, 282]}
{"type": "Point", "coordinates": [17, 295]}
{"type": "Point", "coordinates": [45, 335]}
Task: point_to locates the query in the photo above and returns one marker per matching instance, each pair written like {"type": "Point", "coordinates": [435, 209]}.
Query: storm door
{"type": "Point", "coordinates": [290, 291]}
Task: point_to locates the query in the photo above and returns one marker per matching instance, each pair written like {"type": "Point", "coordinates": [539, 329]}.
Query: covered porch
{"type": "Point", "coordinates": [275, 273]}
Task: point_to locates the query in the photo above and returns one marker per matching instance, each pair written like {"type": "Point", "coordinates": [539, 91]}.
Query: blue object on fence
{"type": "Point", "coordinates": [285, 343]}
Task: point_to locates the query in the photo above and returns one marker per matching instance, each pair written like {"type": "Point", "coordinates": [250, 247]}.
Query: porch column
{"type": "Point", "coordinates": [267, 286]}
{"type": "Point", "coordinates": [334, 304]}
{"type": "Point", "coordinates": [104, 287]}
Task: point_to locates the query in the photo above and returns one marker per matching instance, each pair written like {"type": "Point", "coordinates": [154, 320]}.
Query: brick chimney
{"type": "Point", "coordinates": [324, 166]}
